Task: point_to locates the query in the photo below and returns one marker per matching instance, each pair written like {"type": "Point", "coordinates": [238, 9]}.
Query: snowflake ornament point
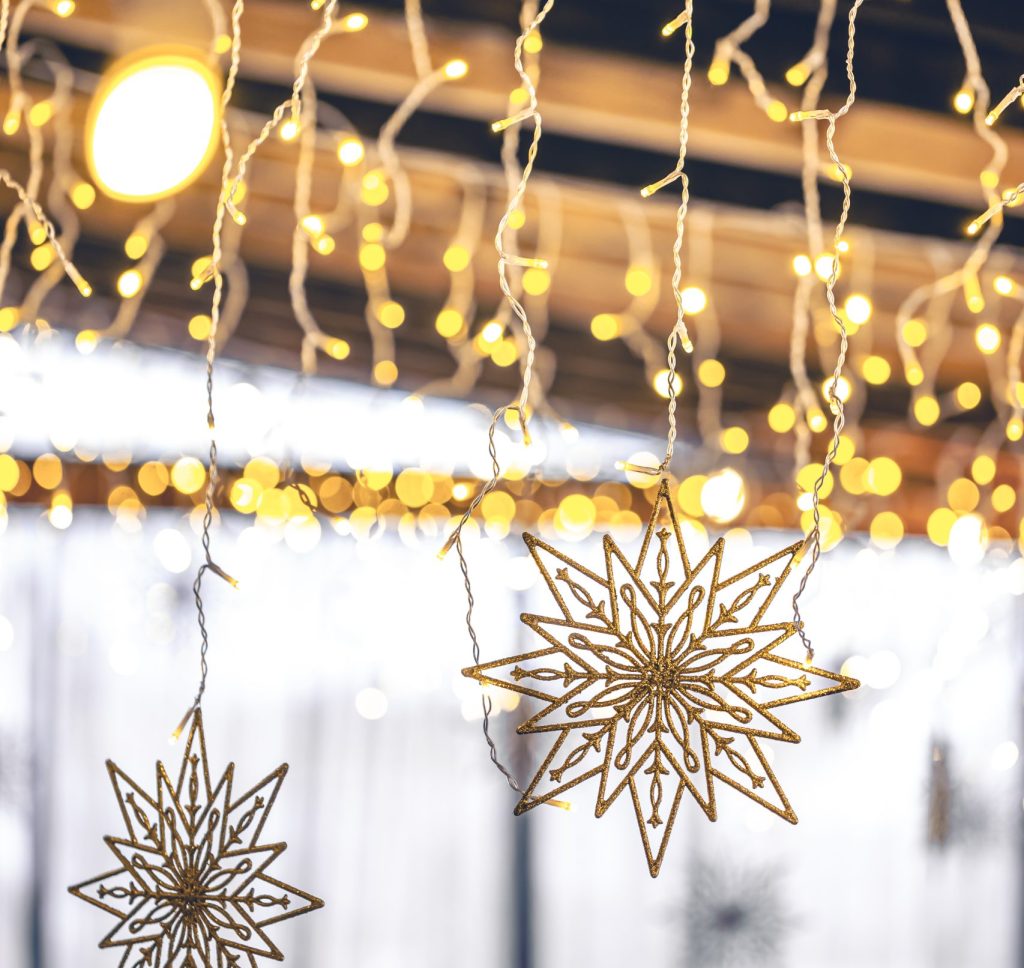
{"type": "Point", "coordinates": [192, 887]}
{"type": "Point", "coordinates": [660, 677]}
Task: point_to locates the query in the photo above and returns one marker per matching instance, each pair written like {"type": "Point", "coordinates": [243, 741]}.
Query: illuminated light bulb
{"type": "Point", "coordinates": [983, 469]}
{"type": "Point", "coordinates": [843, 389]}
{"type": "Point", "coordinates": [136, 245]}
{"type": "Point", "coordinates": [989, 179]}
{"type": "Point", "coordinates": [129, 283]}
{"type": "Point", "coordinates": [1014, 428]}
{"type": "Point", "coordinates": [1003, 498]}
{"type": "Point", "coordinates": [374, 190]}
{"type": "Point", "coordinates": [312, 225]}
{"type": "Point", "coordinates": [846, 450]}
{"type": "Point", "coordinates": [605, 326]}
{"type": "Point", "coordinates": [337, 348]}
{"type": "Point", "coordinates": [187, 475]}
{"type": "Point", "coordinates": [12, 121]}
{"type": "Point", "coordinates": [351, 151]}
{"type": "Point", "coordinates": [824, 264]}
{"type": "Point", "coordinates": [915, 332]}
{"type": "Point", "coordinates": [237, 215]}
{"type": "Point", "coordinates": [675, 23]}
{"type": "Point", "coordinates": [449, 322]}
{"type": "Point", "coordinates": [60, 513]}
{"type": "Point", "coordinates": [711, 373]}
{"type": "Point", "coordinates": [972, 293]}
{"type": "Point", "coordinates": [504, 353]}
{"type": "Point", "coordinates": [534, 43]}
{"type": "Point", "coordinates": [372, 256]}
{"type": "Point", "coordinates": [1004, 285]}
{"type": "Point", "coordinates": [816, 420]}
{"type": "Point", "coordinates": [40, 113]}
{"type": "Point", "coordinates": [153, 124]}
{"type": "Point", "coordinates": [385, 372]}
{"type": "Point", "coordinates": [42, 257]}
{"type": "Point", "coordinates": [858, 308]}
{"type": "Point", "coordinates": [660, 383]}
{"type": "Point", "coordinates": [536, 281]}
{"type": "Point", "coordinates": [222, 43]}
{"type": "Point", "coordinates": [734, 440]}
{"type": "Point", "coordinates": [517, 219]}
{"type": "Point", "coordinates": [373, 232]}
{"type": "Point", "coordinates": [82, 195]}
{"type": "Point", "coordinates": [36, 232]}
{"type": "Point", "coordinates": [355, 22]}
{"type": "Point", "coordinates": [963, 495]}
{"type": "Point", "coordinates": [325, 245]}
{"type": "Point", "coordinates": [886, 530]}
{"type": "Point", "coordinates": [876, 370]}
{"type": "Point", "coordinates": [926, 410]}
{"type": "Point", "coordinates": [973, 227]}
{"type": "Point", "coordinates": [456, 258]}
{"type": "Point", "coordinates": [9, 316]}
{"type": "Point", "coordinates": [64, 8]}
{"type": "Point", "coordinates": [202, 272]}
{"type": "Point", "coordinates": [86, 341]}
{"type": "Point", "coordinates": [693, 300]}
{"type": "Point", "coordinates": [391, 314]}
{"type": "Point", "coordinates": [200, 327]}
{"type": "Point", "coordinates": [723, 495]}
{"type": "Point", "coordinates": [455, 69]}
{"type": "Point", "coordinates": [802, 265]}
{"type": "Point", "coordinates": [883, 476]}
{"type": "Point", "coordinates": [289, 131]}
{"type": "Point", "coordinates": [843, 246]}
{"type": "Point", "coordinates": [718, 72]}
{"type": "Point", "coordinates": [492, 332]}
{"type": "Point", "coordinates": [963, 101]}
{"type": "Point", "coordinates": [968, 395]}
{"type": "Point", "coordinates": [914, 374]}
{"type": "Point", "coordinates": [777, 111]}
{"type": "Point", "coordinates": [797, 75]}
{"type": "Point", "coordinates": [639, 281]}
{"type": "Point", "coordinates": [782, 418]}
{"type": "Point", "coordinates": [987, 338]}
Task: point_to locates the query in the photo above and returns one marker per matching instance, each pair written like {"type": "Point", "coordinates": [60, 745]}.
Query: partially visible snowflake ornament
{"type": "Point", "coordinates": [191, 886]}
{"type": "Point", "coordinates": [660, 676]}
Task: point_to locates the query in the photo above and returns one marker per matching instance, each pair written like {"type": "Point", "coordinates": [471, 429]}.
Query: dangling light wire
{"type": "Point", "coordinates": [813, 541]}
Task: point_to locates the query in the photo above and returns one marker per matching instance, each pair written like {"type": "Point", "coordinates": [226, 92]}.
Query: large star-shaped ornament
{"type": "Point", "coordinates": [191, 886]}
{"type": "Point", "coordinates": [661, 676]}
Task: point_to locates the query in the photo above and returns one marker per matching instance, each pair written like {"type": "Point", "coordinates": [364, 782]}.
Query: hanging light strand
{"type": "Point", "coordinates": [679, 333]}
{"type": "Point", "coordinates": [229, 187]}
{"type": "Point", "coordinates": [813, 541]}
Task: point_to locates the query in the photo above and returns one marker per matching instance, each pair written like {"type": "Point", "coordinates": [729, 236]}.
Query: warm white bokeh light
{"type": "Point", "coordinates": [152, 126]}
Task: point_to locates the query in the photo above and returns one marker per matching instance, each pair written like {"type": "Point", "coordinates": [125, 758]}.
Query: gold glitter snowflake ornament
{"type": "Point", "coordinates": [660, 676]}
{"type": "Point", "coordinates": [191, 886]}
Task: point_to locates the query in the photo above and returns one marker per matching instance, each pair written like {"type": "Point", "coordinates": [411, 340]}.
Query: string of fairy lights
{"type": "Point", "coordinates": [373, 201]}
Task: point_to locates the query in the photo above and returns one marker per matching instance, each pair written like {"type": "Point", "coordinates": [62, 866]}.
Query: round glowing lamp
{"type": "Point", "coordinates": [152, 124]}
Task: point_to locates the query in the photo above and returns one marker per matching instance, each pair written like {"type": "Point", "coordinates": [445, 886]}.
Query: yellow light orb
{"type": "Point", "coordinates": [577, 513]}
{"type": "Point", "coordinates": [188, 475]}
{"type": "Point", "coordinates": [926, 410]}
{"type": "Point", "coordinates": [843, 389]}
{"type": "Point", "coordinates": [734, 440]}
{"type": "Point", "coordinates": [153, 123]}
{"type": "Point", "coordinates": [638, 281]}
{"type": "Point", "coordinates": [915, 332]}
{"type": "Point", "coordinates": [883, 476]}
{"type": "Point", "coordinates": [136, 245]}
{"type": "Point", "coordinates": [876, 370]}
{"type": "Point", "coordinates": [718, 72]}
{"type": "Point", "coordinates": [504, 353]}
{"type": "Point", "coordinates": [199, 327]}
{"type": "Point", "coordinates": [536, 281]}
{"type": "Point", "coordinates": [845, 451]}
{"type": "Point", "coordinates": [456, 258]}
{"type": "Point", "coordinates": [983, 469]}
{"type": "Point", "coordinates": [777, 111]}
{"type": "Point", "coordinates": [853, 475]}
{"type": "Point", "coordinates": [807, 479]}
{"type": "Point", "coordinates": [711, 373]}
{"type": "Point", "coordinates": [455, 69]}
{"type": "Point", "coordinates": [374, 189]}
{"type": "Point", "coordinates": [723, 495]}
{"type": "Point", "coordinates": [129, 283]}
{"type": "Point", "coordinates": [385, 373]}
{"type": "Point", "coordinates": [940, 523]}
{"type": "Point", "coordinates": [337, 348]}
{"type": "Point", "coordinates": [963, 495]}
{"type": "Point", "coordinates": [660, 384]}
{"type": "Point", "coordinates": [858, 308]}
{"type": "Point", "coordinates": [48, 471]}
{"type": "Point", "coordinates": [886, 529]}
{"type": "Point", "coordinates": [414, 487]}
{"type": "Point", "coordinates": [1014, 428]}
{"type": "Point", "coordinates": [42, 257]}
{"type": "Point", "coordinates": [963, 101]}
{"type": "Point", "coordinates": [534, 43]}
{"type": "Point", "coordinates": [372, 256]}
{"type": "Point", "coordinates": [823, 266]}
{"type": "Point", "coordinates": [1004, 285]}
{"type": "Point", "coordinates": [82, 195]}
{"type": "Point", "coordinates": [782, 418]}
{"type": "Point", "coordinates": [605, 326]}
{"type": "Point", "coordinates": [449, 323]}
{"type": "Point", "coordinates": [694, 300]}
{"type": "Point", "coordinates": [351, 151]}
{"type": "Point", "coordinates": [391, 314]}
{"type": "Point", "coordinates": [968, 395]}
{"type": "Point", "coordinates": [987, 338]}
{"type": "Point", "coordinates": [1003, 498]}
{"type": "Point", "coordinates": [802, 265]}
{"type": "Point", "coordinates": [86, 341]}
